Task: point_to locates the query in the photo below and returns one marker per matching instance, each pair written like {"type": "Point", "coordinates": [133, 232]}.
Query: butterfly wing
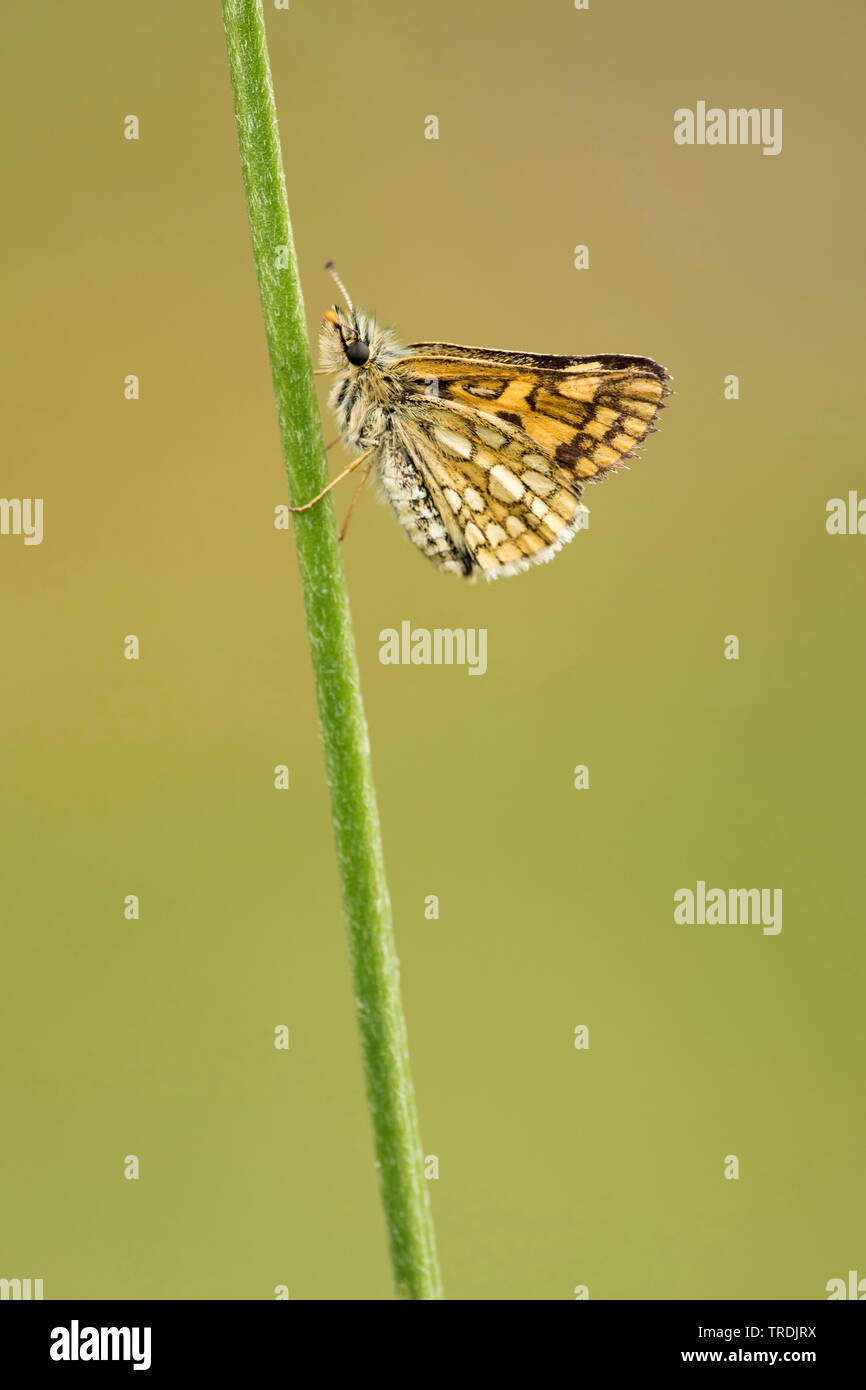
{"type": "Point", "coordinates": [503, 443]}
{"type": "Point", "coordinates": [474, 497]}
{"type": "Point", "coordinates": [586, 414]}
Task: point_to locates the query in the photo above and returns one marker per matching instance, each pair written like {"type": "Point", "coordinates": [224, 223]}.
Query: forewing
{"type": "Point", "coordinates": [585, 415]}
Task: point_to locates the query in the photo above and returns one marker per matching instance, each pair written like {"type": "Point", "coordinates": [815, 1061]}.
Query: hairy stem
{"type": "Point", "coordinates": [344, 729]}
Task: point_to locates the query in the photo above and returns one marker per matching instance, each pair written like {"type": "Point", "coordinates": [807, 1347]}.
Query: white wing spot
{"type": "Point", "coordinates": [456, 444]}
{"type": "Point", "coordinates": [491, 437]}
{"type": "Point", "coordinates": [504, 486]}
{"type": "Point", "coordinates": [535, 481]}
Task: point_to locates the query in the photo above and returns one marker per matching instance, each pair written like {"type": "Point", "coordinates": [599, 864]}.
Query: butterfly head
{"type": "Point", "coordinates": [348, 336]}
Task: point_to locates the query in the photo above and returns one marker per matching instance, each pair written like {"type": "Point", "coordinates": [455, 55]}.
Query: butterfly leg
{"type": "Point", "coordinates": [364, 476]}
{"type": "Point", "coordinates": [350, 468]}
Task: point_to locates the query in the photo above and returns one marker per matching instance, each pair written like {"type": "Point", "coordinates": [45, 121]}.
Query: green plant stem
{"type": "Point", "coordinates": [344, 729]}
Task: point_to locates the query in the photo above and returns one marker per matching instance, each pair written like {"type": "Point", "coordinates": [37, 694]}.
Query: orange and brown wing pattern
{"type": "Point", "coordinates": [586, 414]}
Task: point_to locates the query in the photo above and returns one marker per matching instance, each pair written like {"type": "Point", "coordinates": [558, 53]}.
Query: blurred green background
{"type": "Point", "coordinates": [557, 1167]}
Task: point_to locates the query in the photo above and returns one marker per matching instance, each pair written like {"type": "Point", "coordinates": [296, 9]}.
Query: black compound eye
{"type": "Point", "coordinates": [357, 352]}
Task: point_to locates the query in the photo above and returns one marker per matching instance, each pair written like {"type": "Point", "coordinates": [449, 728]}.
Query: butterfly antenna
{"type": "Point", "coordinates": [332, 270]}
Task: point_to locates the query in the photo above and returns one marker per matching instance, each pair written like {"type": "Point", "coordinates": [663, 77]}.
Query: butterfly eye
{"type": "Point", "coordinates": [357, 352]}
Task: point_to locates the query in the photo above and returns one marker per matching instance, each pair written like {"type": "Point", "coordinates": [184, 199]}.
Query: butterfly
{"type": "Point", "coordinates": [483, 454]}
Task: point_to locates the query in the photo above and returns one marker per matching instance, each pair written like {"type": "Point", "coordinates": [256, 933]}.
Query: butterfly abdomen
{"type": "Point", "coordinates": [424, 516]}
